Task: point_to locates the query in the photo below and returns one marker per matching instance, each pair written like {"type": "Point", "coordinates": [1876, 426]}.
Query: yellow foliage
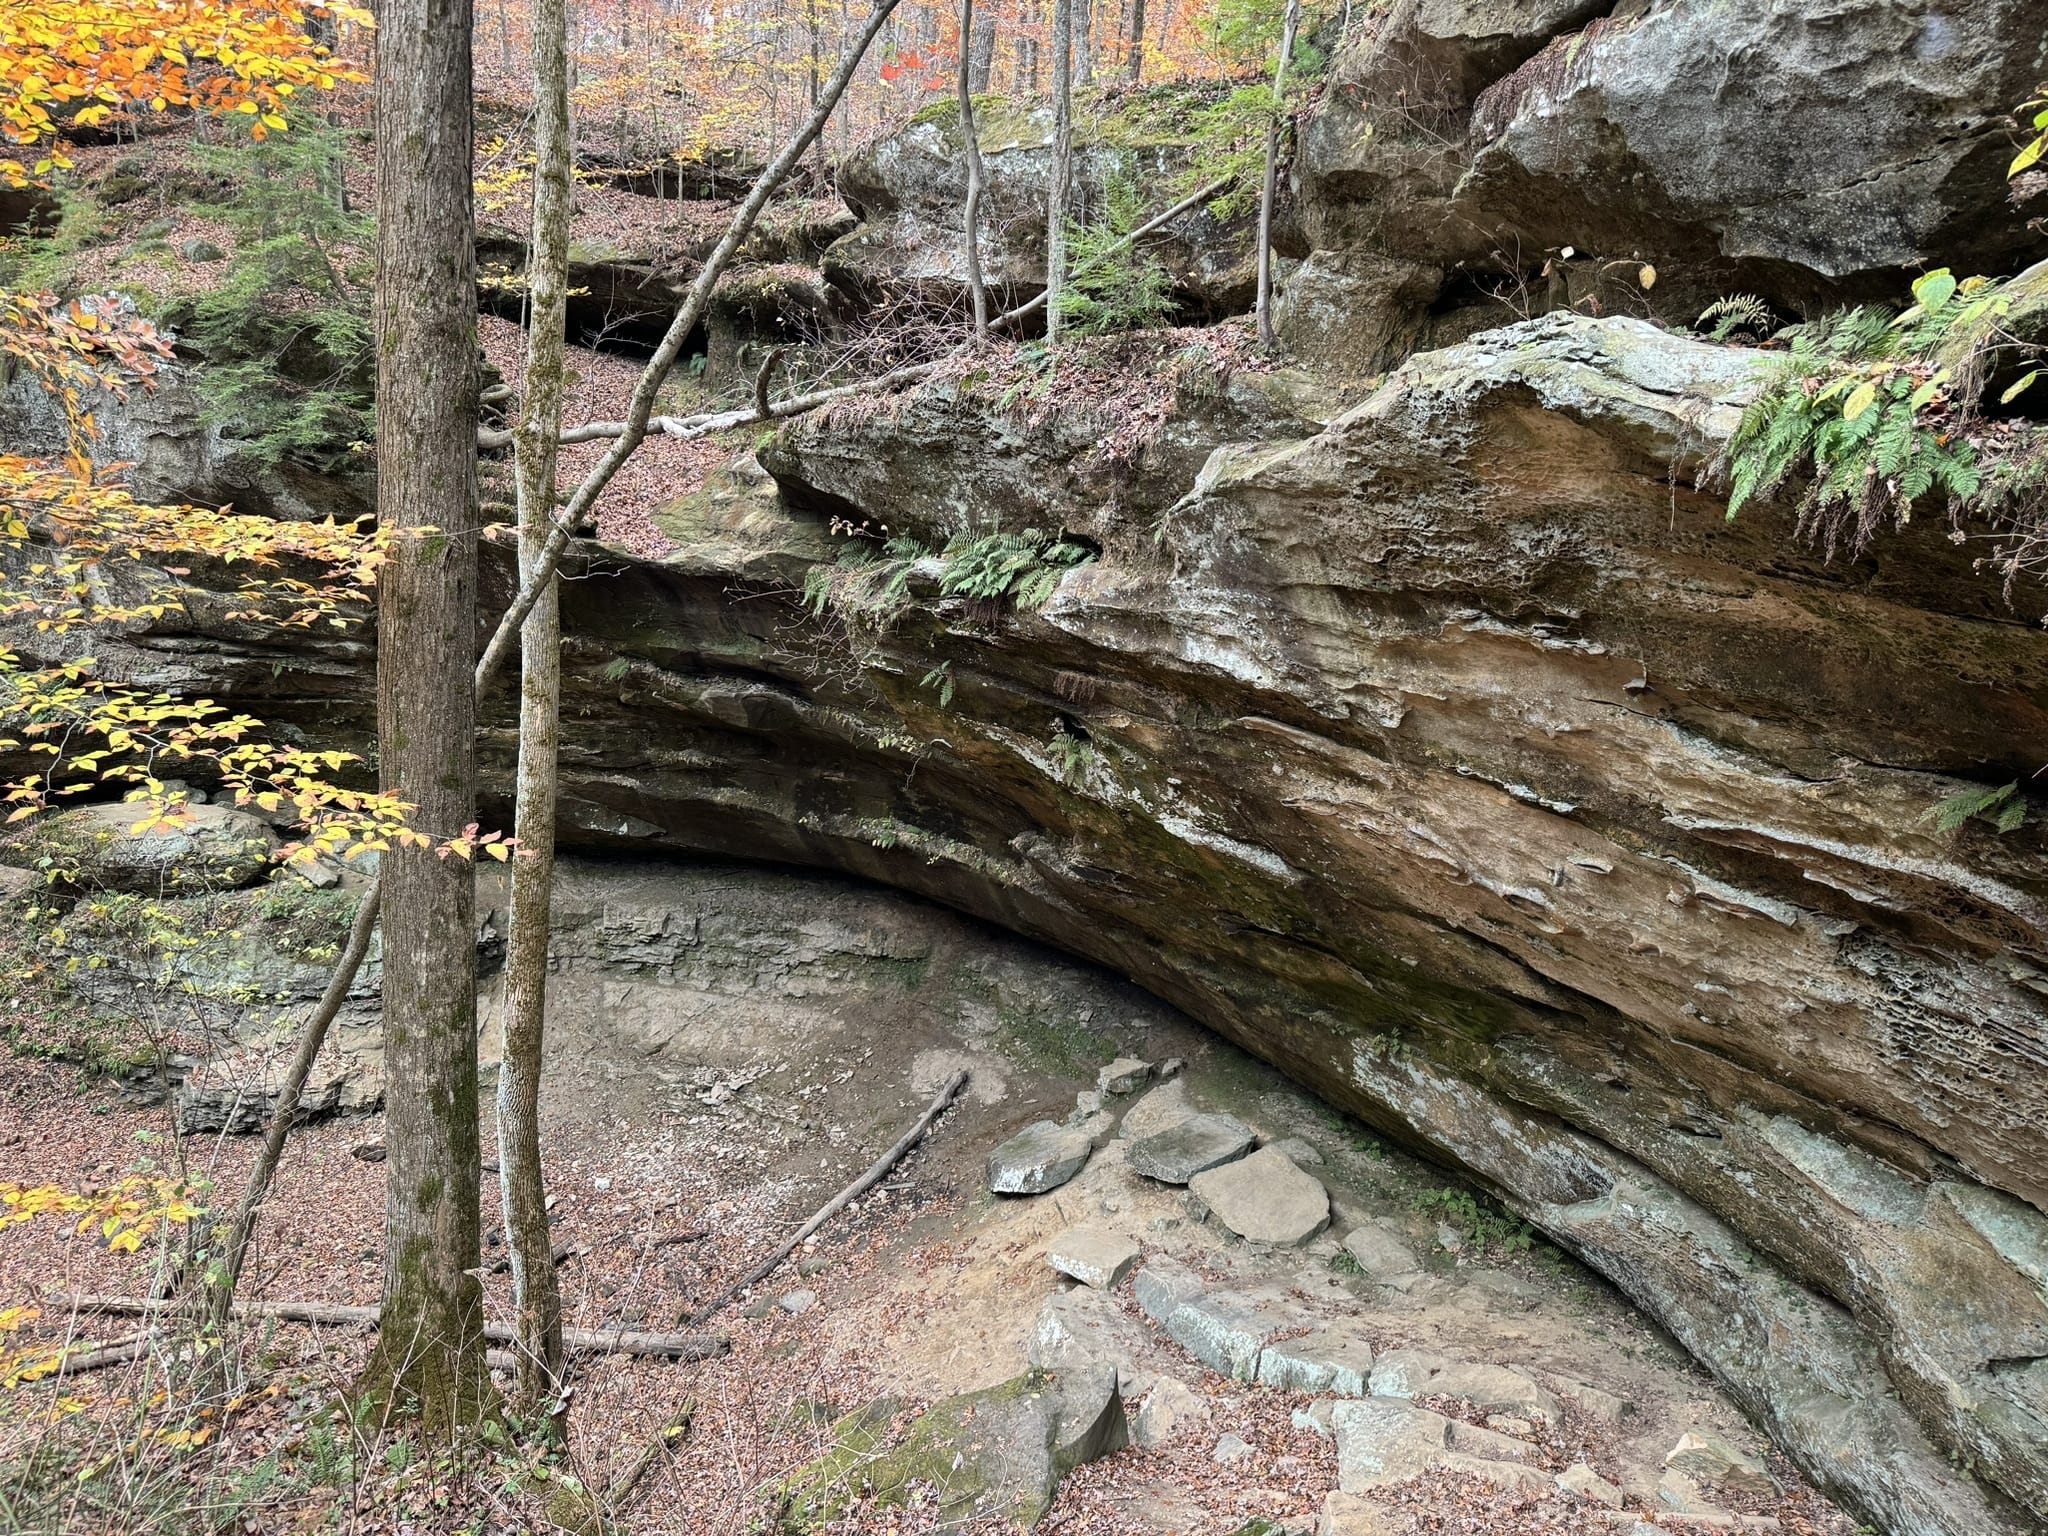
{"type": "Point", "coordinates": [244, 57]}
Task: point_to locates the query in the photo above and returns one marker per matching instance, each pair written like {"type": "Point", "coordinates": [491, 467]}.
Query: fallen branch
{"type": "Point", "coordinates": [593, 1341]}
{"type": "Point", "coordinates": [875, 1171]}
{"type": "Point", "coordinates": [672, 1434]}
{"type": "Point", "coordinates": [688, 427]}
{"type": "Point", "coordinates": [101, 1358]}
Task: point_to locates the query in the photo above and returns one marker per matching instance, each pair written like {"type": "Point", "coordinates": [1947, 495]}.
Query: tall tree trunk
{"type": "Point", "coordinates": [1062, 163]}
{"type": "Point", "coordinates": [430, 1352]}
{"type": "Point", "coordinates": [977, 289]}
{"type": "Point", "coordinates": [1263, 307]}
{"type": "Point", "coordinates": [1134, 60]}
{"type": "Point", "coordinates": [1083, 36]}
{"type": "Point", "coordinates": [536, 1296]}
{"type": "Point", "coordinates": [983, 74]}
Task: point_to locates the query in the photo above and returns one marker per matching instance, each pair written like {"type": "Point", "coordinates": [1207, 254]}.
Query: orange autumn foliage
{"type": "Point", "coordinates": [75, 63]}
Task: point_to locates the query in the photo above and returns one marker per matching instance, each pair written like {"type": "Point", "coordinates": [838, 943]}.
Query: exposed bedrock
{"type": "Point", "coordinates": [1806, 153]}
{"type": "Point", "coordinates": [1463, 760]}
{"type": "Point", "coordinates": [1454, 753]}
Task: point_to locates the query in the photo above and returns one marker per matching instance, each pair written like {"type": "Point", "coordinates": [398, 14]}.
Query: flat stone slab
{"type": "Point", "coordinates": [1083, 1329]}
{"type": "Point", "coordinates": [1335, 1360]}
{"type": "Point", "coordinates": [1264, 1198]}
{"type": "Point", "coordinates": [1161, 1107]}
{"type": "Point", "coordinates": [1093, 1256]}
{"type": "Point", "coordinates": [1163, 1286]}
{"type": "Point", "coordinates": [1226, 1331]}
{"type": "Point", "coordinates": [1382, 1257]}
{"type": "Point", "coordinates": [1495, 1388]}
{"type": "Point", "coordinates": [1382, 1441]}
{"type": "Point", "coordinates": [1126, 1074]}
{"type": "Point", "coordinates": [1713, 1459]}
{"type": "Point", "coordinates": [1194, 1145]}
{"type": "Point", "coordinates": [1042, 1156]}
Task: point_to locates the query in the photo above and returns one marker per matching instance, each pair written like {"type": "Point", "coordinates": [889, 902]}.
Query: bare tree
{"type": "Point", "coordinates": [1134, 57]}
{"type": "Point", "coordinates": [429, 1356]}
{"type": "Point", "coordinates": [977, 289]}
{"type": "Point", "coordinates": [1062, 163]}
{"type": "Point", "coordinates": [536, 1295]}
{"type": "Point", "coordinates": [1270, 191]}
{"type": "Point", "coordinates": [1082, 37]}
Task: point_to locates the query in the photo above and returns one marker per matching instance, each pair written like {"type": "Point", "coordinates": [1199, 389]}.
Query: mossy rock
{"type": "Point", "coordinates": [987, 1456]}
{"type": "Point", "coordinates": [213, 848]}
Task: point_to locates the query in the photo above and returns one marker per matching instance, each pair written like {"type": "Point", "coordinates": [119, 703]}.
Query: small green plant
{"type": "Point", "coordinates": [867, 586]}
{"type": "Point", "coordinates": [1023, 568]}
{"type": "Point", "coordinates": [1113, 286]}
{"type": "Point", "coordinates": [1737, 312]}
{"type": "Point", "coordinates": [941, 679]}
{"type": "Point", "coordinates": [1863, 404]}
{"type": "Point", "coordinates": [1484, 1226]}
{"type": "Point", "coordinates": [2003, 807]}
{"type": "Point", "coordinates": [1073, 752]}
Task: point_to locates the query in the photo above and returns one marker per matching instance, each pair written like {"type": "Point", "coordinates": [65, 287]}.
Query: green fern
{"type": "Point", "coordinates": [867, 586]}
{"type": "Point", "coordinates": [2003, 807]}
{"type": "Point", "coordinates": [1023, 568]}
{"type": "Point", "coordinates": [1863, 407]}
{"type": "Point", "coordinates": [1737, 312]}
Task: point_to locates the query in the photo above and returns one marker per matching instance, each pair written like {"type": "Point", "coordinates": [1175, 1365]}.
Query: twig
{"type": "Point", "coordinates": [762, 409]}
{"type": "Point", "coordinates": [874, 1175]}
{"type": "Point", "coordinates": [595, 1341]}
{"type": "Point", "coordinates": [672, 1434]}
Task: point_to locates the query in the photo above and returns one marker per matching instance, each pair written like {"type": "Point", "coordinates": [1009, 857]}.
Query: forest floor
{"type": "Point", "coordinates": [667, 1186]}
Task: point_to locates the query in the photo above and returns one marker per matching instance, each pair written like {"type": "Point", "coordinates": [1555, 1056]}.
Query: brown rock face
{"type": "Point", "coordinates": [1458, 756]}
{"type": "Point", "coordinates": [1462, 759]}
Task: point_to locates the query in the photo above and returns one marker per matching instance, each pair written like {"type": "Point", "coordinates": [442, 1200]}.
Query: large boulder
{"type": "Point", "coordinates": [909, 188]}
{"type": "Point", "coordinates": [1544, 154]}
{"type": "Point", "coordinates": [990, 1459]}
{"type": "Point", "coordinates": [98, 847]}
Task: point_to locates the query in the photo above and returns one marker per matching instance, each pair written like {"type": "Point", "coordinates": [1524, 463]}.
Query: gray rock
{"type": "Point", "coordinates": [1495, 1388]}
{"type": "Point", "coordinates": [1040, 1157]}
{"type": "Point", "coordinates": [1083, 1329]}
{"type": "Point", "coordinates": [212, 848]}
{"type": "Point", "coordinates": [1000, 1452]}
{"type": "Point", "coordinates": [1161, 1108]}
{"type": "Point", "coordinates": [1336, 1359]}
{"type": "Point", "coordinates": [1382, 1257]}
{"type": "Point", "coordinates": [1194, 1145]}
{"type": "Point", "coordinates": [1087, 1102]}
{"type": "Point", "coordinates": [1382, 1441]}
{"type": "Point", "coordinates": [1263, 1198]}
{"type": "Point", "coordinates": [1099, 1128]}
{"type": "Point", "coordinates": [1588, 1484]}
{"type": "Point", "coordinates": [1093, 1256]}
{"type": "Point", "coordinates": [1162, 1286]}
{"type": "Point", "coordinates": [1230, 1449]}
{"type": "Point", "coordinates": [1226, 1331]}
{"type": "Point", "coordinates": [1126, 1074]}
{"type": "Point", "coordinates": [1713, 1459]}
{"type": "Point", "coordinates": [1301, 1153]}
{"type": "Point", "coordinates": [200, 249]}
{"type": "Point", "coordinates": [796, 1303]}
{"type": "Point", "coordinates": [1169, 1409]}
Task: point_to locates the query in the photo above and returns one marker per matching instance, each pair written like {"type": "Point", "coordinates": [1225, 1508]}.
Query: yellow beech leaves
{"type": "Point", "coordinates": [75, 63]}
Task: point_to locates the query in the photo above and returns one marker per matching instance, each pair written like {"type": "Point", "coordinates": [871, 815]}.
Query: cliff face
{"type": "Point", "coordinates": [1462, 759]}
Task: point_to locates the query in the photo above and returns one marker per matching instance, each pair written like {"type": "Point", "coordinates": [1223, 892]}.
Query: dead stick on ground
{"type": "Point", "coordinates": [838, 1202]}
{"type": "Point", "coordinates": [600, 1341]}
{"type": "Point", "coordinates": [672, 1434]}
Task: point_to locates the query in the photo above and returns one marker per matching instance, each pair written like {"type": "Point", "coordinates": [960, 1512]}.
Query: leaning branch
{"type": "Point", "coordinates": [592, 1341]}
{"type": "Point", "coordinates": [690, 427]}
{"type": "Point", "coordinates": [839, 1202]}
{"type": "Point", "coordinates": [641, 412]}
